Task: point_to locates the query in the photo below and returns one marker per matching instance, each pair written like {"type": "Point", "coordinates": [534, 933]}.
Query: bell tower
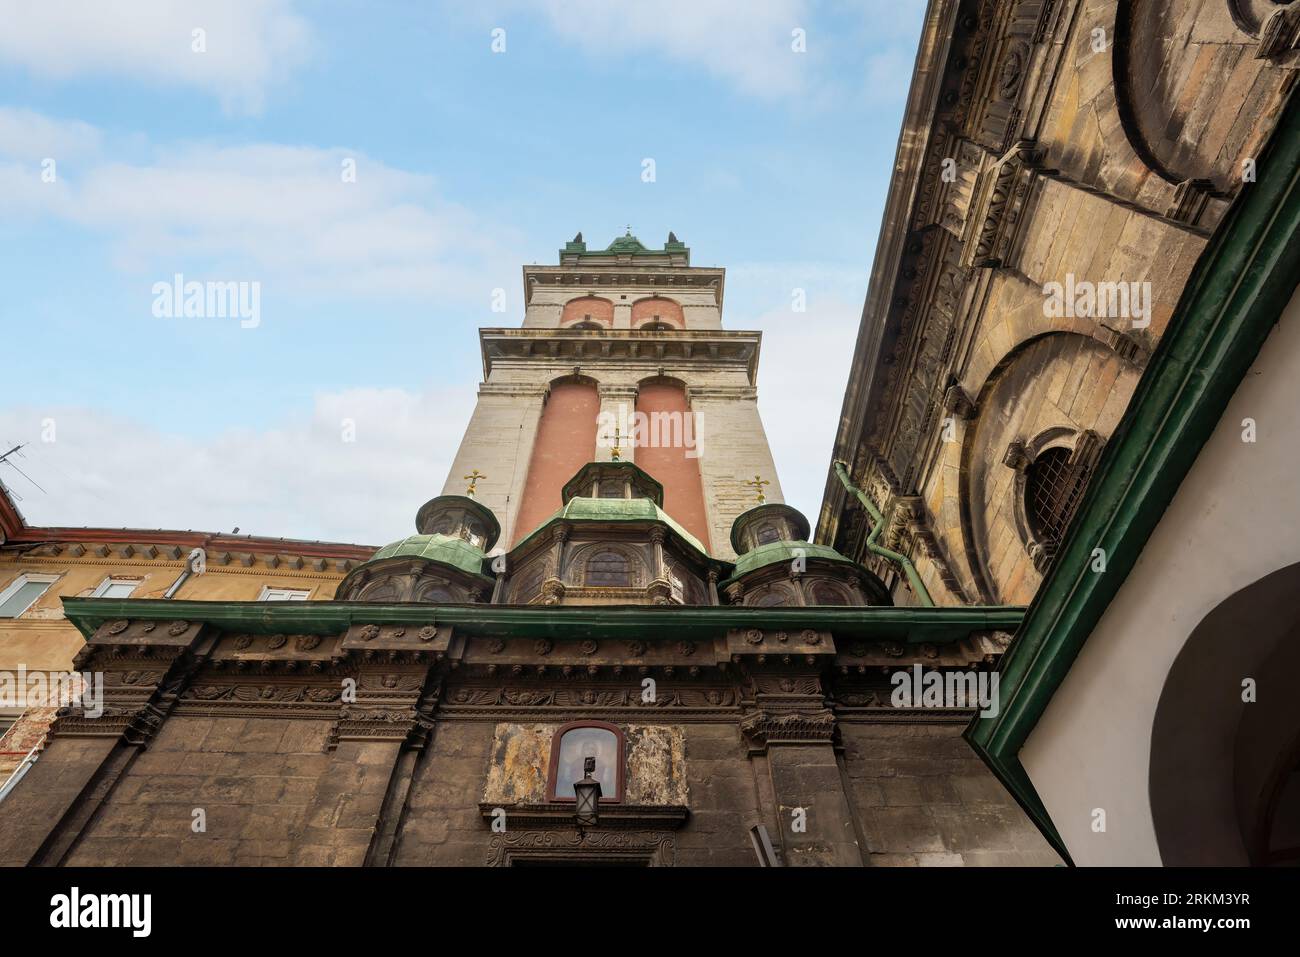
{"type": "Point", "coordinates": [621, 356]}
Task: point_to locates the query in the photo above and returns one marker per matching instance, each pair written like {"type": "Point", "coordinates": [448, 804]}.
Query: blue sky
{"type": "Point", "coordinates": [225, 164]}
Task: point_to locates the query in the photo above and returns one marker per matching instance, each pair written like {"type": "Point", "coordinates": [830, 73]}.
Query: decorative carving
{"type": "Point", "coordinates": [1001, 195]}
{"type": "Point", "coordinates": [655, 848]}
{"type": "Point", "coordinates": [1016, 457]}
{"type": "Point", "coordinates": [762, 728]}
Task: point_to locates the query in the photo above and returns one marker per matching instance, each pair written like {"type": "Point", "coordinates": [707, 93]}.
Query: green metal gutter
{"type": "Point", "coordinates": [1240, 285]}
{"type": "Point", "coordinates": [918, 586]}
{"type": "Point", "coordinates": [655, 622]}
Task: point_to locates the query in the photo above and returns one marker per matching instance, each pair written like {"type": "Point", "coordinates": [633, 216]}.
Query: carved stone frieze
{"type": "Point", "coordinates": [1000, 200]}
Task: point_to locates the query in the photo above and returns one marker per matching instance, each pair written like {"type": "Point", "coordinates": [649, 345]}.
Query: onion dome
{"type": "Point", "coordinates": [446, 562]}
{"type": "Point", "coordinates": [777, 565]}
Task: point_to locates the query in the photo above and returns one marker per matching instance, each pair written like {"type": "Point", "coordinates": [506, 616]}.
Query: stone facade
{"type": "Point", "coordinates": [220, 746]}
{"type": "Point", "coordinates": [1091, 145]}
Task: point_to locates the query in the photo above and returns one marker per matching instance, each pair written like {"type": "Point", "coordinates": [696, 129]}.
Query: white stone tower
{"type": "Point", "coordinates": [621, 354]}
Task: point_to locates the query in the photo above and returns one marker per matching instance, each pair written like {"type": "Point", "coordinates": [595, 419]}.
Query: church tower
{"type": "Point", "coordinates": [622, 355]}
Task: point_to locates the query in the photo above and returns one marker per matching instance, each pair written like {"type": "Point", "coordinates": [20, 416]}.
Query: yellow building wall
{"type": "Point", "coordinates": [41, 639]}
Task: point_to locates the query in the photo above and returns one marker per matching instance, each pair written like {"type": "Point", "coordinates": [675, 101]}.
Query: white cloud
{"type": "Point", "coordinates": [296, 479]}
{"type": "Point", "coordinates": [748, 45]}
{"type": "Point", "coordinates": [263, 212]}
{"type": "Point", "coordinates": [248, 44]}
{"type": "Point", "coordinates": [31, 137]}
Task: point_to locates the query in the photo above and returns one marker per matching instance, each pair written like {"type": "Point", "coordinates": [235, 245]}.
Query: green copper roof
{"type": "Point", "coordinates": [617, 510]}
{"type": "Point", "coordinates": [781, 552]}
{"type": "Point", "coordinates": [436, 548]}
{"type": "Point", "coordinates": [627, 245]}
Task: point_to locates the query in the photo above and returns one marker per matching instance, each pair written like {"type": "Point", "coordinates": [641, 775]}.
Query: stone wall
{"type": "Point", "coordinates": [1080, 143]}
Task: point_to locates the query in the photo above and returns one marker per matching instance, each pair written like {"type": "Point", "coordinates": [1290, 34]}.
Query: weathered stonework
{"type": "Point", "coordinates": [1035, 153]}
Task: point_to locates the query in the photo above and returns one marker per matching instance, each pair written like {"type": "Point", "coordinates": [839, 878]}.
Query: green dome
{"type": "Point", "coordinates": [775, 553]}
{"type": "Point", "coordinates": [443, 549]}
{"type": "Point", "coordinates": [617, 510]}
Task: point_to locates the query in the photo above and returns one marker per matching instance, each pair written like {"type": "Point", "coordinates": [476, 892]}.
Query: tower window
{"type": "Point", "coordinates": [576, 742]}
{"type": "Point", "coordinates": [1053, 488]}
{"type": "Point", "coordinates": [609, 569]}
{"type": "Point", "coordinates": [766, 534]}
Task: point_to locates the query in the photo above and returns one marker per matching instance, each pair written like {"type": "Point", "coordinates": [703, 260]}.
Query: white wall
{"type": "Point", "coordinates": [1233, 520]}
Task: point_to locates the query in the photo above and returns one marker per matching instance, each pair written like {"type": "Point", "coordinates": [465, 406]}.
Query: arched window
{"type": "Point", "coordinates": [657, 313]}
{"type": "Point", "coordinates": [826, 593]}
{"type": "Point", "coordinates": [588, 312]}
{"type": "Point", "coordinates": [437, 593]}
{"type": "Point", "coordinates": [771, 598]}
{"type": "Point", "coordinates": [609, 568]}
{"type": "Point", "coordinates": [575, 742]}
{"type": "Point", "coordinates": [565, 441]}
{"type": "Point", "coordinates": [1053, 487]}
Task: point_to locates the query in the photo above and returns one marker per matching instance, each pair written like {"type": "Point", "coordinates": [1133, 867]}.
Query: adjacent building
{"type": "Point", "coordinates": [1069, 389]}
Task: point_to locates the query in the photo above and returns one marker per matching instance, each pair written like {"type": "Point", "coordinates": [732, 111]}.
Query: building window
{"type": "Point", "coordinates": [766, 534]}
{"type": "Point", "coordinates": [22, 593]}
{"type": "Point", "coordinates": [609, 569]}
{"type": "Point", "coordinates": [116, 588]}
{"type": "Point", "coordinates": [283, 594]}
{"type": "Point", "coordinates": [1053, 488]}
{"type": "Point", "coordinates": [572, 745]}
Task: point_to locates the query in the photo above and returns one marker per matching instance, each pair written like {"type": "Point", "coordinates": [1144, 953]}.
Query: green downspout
{"type": "Point", "coordinates": [897, 558]}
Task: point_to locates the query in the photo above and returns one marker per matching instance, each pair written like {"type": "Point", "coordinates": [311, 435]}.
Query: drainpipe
{"type": "Point", "coordinates": [918, 586]}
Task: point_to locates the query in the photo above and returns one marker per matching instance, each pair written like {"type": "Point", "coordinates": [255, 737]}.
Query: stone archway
{"type": "Point", "coordinates": [1221, 768]}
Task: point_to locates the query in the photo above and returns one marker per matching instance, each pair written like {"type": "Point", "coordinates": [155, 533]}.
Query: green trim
{"type": "Point", "coordinates": [914, 579]}
{"type": "Point", "coordinates": [1239, 287]}
{"type": "Point", "coordinates": [655, 622]}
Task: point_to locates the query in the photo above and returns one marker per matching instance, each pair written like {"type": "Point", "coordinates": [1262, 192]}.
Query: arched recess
{"type": "Point", "coordinates": [666, 437]}
{"type": "Point", "coordinates": [588, 312]}
{"type": "Point", "coordinates": [1170, 85]}
{"type": "Point", "coordinates": [1058, 381]}
{"type": "Point", "coordinates": [565, 442]}
{"type": "Point", "coordinates": [1222, 776]}
{"type": "Point", "coordinates": [657, 311]}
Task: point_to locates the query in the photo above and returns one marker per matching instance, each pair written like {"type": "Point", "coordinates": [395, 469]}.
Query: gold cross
{"type": "Point", "coordinates": [473, 478]}
{"type": "Point", "coordinates": [757, 485]}
{"type": "Point", "coordinates": [615, 452]}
